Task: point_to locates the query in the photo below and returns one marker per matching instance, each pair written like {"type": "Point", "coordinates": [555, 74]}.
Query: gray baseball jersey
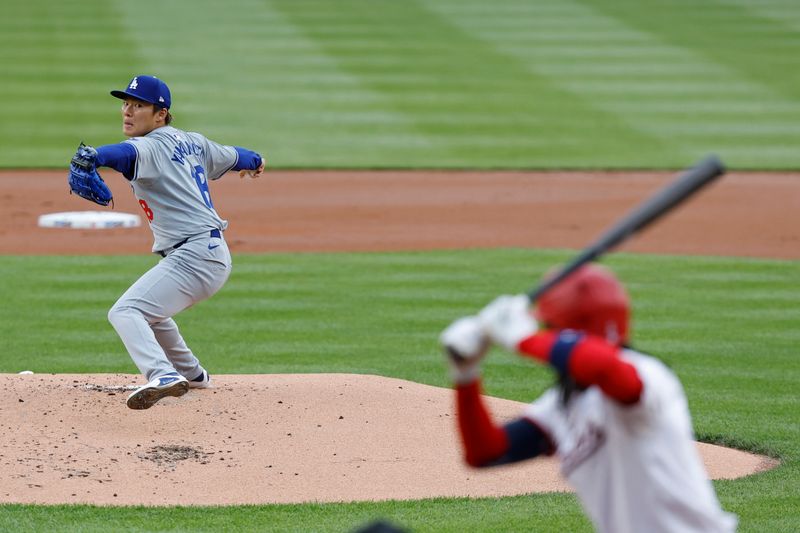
{"type": "Point", "coordinates": [169, 176]}
{"type": "Point", "coordinates": [169, 170]}
{"type": "Point", "coordinates": [171, 182]}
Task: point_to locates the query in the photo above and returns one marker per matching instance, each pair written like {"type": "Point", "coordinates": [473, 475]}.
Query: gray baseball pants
{"type": "Point", "coordinates": [143, 315]}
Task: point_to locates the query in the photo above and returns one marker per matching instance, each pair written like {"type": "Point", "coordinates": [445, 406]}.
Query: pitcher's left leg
{"type": "Point", "coordinates": [175, 348]}
{"type": "Point", "coordinates": [209, 262]}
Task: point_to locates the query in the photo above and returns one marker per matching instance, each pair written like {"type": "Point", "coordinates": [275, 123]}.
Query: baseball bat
{"type": "Point", "coordinates": [640, 217]}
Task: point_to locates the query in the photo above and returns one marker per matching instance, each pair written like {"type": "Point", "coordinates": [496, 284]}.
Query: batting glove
{"type": "Point", "coordinates": [465, 344]}
{"type": "Point", "coordinates": [507, 321]}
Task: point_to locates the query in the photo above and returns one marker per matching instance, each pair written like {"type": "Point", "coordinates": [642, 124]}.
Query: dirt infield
{"type": "Point", "coordinates": [256, 439]}
{"type": "Point", "coordinates": [748, 215]}
{"type": "Point", "coordinates": [300, 438]}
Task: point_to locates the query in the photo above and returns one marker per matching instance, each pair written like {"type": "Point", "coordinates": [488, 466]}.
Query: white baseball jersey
{"type": "Point", "coordinates": [171, 182]}
{"type": "Point", "coordinates": [634, 468]}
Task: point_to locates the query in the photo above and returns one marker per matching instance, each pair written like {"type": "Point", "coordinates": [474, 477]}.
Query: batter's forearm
{"type": "Point", "coordinates": [486, 444]}
{"type": "Point", "coordinates": [483, 441]}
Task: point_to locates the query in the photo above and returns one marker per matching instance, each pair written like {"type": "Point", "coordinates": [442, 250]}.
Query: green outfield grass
{"type": "Point", "coordinates": [728, 327]}
{"type": "Point", "coordinates": [403, 83]}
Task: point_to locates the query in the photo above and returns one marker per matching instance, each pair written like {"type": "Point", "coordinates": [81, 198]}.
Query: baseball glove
{"type": "Point", "coordinates": [84, 179]}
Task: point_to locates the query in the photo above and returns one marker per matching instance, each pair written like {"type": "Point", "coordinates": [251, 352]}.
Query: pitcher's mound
{"type": "Point", "coordinates": [256, 439]}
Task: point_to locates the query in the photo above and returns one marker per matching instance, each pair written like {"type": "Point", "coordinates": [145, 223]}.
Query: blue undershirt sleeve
{"type": "Point", "coordinates": [561, 352]}
{"type": "Point", "coordinates": [121, 157]}
{"type": "Point", "coordinates": [248, 160]}
{"type": "Point", "coordinates": [525, 441]}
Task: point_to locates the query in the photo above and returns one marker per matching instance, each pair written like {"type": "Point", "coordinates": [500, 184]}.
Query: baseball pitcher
{"type": "Point", "coordinates": [618, 420]}
{"type": "Point", "coordinates": [169, 171]}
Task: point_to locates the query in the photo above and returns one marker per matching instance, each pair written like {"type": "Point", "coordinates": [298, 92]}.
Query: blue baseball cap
{"type": "Point", "coordinates": [147, 88]}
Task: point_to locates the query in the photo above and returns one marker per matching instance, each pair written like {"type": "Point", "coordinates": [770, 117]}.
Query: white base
{"type": "Point", "coordinates": [89, 220]}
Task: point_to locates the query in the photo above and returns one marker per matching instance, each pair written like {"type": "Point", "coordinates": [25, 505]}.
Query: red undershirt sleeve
{"type": "Point", "coordinates": [589, 360]}
{"type": "Point", "coordinates": [483, 440]}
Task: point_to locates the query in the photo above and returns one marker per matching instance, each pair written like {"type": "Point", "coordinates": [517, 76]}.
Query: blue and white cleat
{"type": "Point", "coordinates": [146, 396]}
{"type": "Point", "coordinates": [203, 381]}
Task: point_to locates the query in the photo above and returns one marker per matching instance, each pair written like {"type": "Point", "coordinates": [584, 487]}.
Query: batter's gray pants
{"type": "Point", "coordinates": [143, 315]}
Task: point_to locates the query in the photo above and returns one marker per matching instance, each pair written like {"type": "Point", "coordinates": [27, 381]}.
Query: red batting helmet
{"type": "Point", "coordinates": [591, 299]}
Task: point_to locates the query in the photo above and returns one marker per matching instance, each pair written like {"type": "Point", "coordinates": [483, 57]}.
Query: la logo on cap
{"type": "Point", "coordinates": [134, 84]}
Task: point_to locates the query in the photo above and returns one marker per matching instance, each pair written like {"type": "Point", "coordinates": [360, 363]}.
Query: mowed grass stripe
{"type": "Point", "coordinates": [491, 515]}
{"type": "Point", "coordinates": [781, 12]}
{"type": "Point", "coordinates": [681, 91]}
{"type": "Point", "coordinates": [751, 48]}
{"type": "Point", "coordinates": [251, 78]}
{"type": "Point", "coordinates": [755, 47]}
{"type": "Point", "coordinates": [478, 91]}
{"type": "Point", "coordinates": [436, 83]}
{"type": "Point", "coordinates": [285, 298]}
{"type": "Point", "coordinates": [57, 59]}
